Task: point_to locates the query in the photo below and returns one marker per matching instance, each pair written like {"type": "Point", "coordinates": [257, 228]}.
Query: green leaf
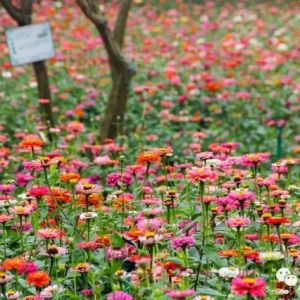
{"type": "Point", "coordinates": [176, 260]}
{"type": "Point", "coordinates": [115, 267]}
{"type": "Point", "coordinates": [209, 292]}
{"type": "Point", "coordinates": [70, 294]}
{"type": "Point", "coordinates": [116, 241]}
{"type": "Point", "coordinates": [212, 254]}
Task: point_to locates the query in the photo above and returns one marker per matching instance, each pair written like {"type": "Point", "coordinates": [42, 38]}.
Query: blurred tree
{"type": "Point", "coordinates": [121, 70]}
{"type": "Point", "coordinates": [21, 12]}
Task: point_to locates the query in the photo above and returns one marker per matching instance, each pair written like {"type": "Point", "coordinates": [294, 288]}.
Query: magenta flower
{"type": "Point", "coordinates": [27, 268]}
{"type": "Point", "coordinates": [182, 242]}
{"type": "Point", "coordinates": [23, 179]}
{"type": "Point", "coordinates": [39, 191]}
{"type": "Point", "coordinates": [26, 227]}
{"type": "Point", "coordinates": [255, 287]}
{"type": "Point", "coordinates": [119, 295]}
{"type": "Point", "coordinates": [113, 179]}
{"type": "Point", "coordinates": [87, 293]}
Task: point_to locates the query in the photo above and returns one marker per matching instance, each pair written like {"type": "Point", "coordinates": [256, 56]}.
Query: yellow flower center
{"type": "Point", "coordinates": [87, 186]}
{"type": "Point", "coordinates": [149, 234]}
{"type": "Point", "coordinates": [249, 280]}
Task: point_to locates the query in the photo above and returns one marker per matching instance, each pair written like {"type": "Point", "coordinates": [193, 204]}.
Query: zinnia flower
{"type": "Point", "coordinates": [15, 263]}
{"type": "Point", "coordinates": [255, 287]}
{"type": "Point", "coordinates": [196, 175]}
{"type": "Point", "coordinates": [238, 222]}
{"type": "Point", "coordinates": [119, 295]}
{"type": "Point", "coordinates": [182, 242]}
{"type": "Point", "coordinates": [38, 279]}
{"type": "Point", "coordinates": [32, 142]}
{"type": "Point", "coordinates": [147, 158]}
{"type": "Point", "coordinates": [87, 188]}
{"type": "Point", "coordinates": [175, 294]}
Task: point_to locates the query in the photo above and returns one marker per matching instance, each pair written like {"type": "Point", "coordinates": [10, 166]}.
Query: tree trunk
{"type": "Point", "coordinates": [121, 70]}
{"type": "Point", "coordinates": [111, 124]}
{"type": "Point", "coordinates": [41, 75]}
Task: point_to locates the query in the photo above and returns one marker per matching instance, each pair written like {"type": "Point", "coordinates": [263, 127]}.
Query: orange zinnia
{"type": "Point", "coordinates": [69, 176]}
{"type": "Point", "coordinates": [147, 158]}
{"type": "Point", "coordinates": [38, 279]}
{"type": "Point", "coordinates": [60, 195]}
{"type": "Point", "coordinates": [104, 240]}
{"type": "Point", "coordinates": [32, 142]}
{"type": "Point", "coordinates": [134, 233]}
{"type": "Point", "coordinates": [13, 263]}
{"type": "Point", "coordinates": [93, 200]}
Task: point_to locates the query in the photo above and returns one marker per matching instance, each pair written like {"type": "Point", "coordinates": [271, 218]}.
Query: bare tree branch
{"type": "Point", "coordinates": [88, 8]}
{"type": "Point", "coordinates": [113, 50]}
{"type": "Point", "coordinates": [14, 12]}
{"type": "Point", "coordinates": [120, 24]}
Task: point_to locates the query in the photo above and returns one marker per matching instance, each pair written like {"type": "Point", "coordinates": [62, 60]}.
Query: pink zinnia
{"type": "Point", "coordinates": [119, 295]}
{"type": "Point", "coordinates": [254, 159]}
{"type": "Point", "coordinates": [242, 195]}
{"type": "Point", "coordinates": [238, 222]}
{"type": "Point", "coordinates": [255, 287]}
{"type": "Point", "coordinates": [196, 175]}
{"type": "Point", "coordinates": [7, 188]}
{"type": "Point", "coordinates": [113, 179]}
{"type": "Point", "coordinates": [88, 245]}
{"type": "Point", "coordinates": [27, 268]}
{"type": "Point", "coordinates": [23, 179]}
{"type": "Point", "coordinates": [87, 188]}
{"type": "Point", "coordinates": [149, 224]}
{"type": "Point", "coordinates": [175, 294]}
{"type": "Point", "coordinates": [38, 191]}
{"type": "Point", "coordinates": [182, 242]}
{"type": "Point", "coordinates": [49, 233]}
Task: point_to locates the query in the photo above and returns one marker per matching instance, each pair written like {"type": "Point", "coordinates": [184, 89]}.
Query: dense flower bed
{"type": "Point", "coordinates": [194, 200]}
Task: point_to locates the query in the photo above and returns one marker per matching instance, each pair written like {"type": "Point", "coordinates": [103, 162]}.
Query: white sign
{"type": "Point", "coordinates": [30, 43]}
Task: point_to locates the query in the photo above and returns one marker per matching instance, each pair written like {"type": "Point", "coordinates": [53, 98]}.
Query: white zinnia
{"type": "Point", "coordinates": [230, 272]}
{"type": "Point", "coordinates": [270, 256]}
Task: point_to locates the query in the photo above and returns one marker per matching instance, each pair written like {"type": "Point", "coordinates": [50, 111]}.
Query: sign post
{"type": "Point", "coordinates": [30, 43]}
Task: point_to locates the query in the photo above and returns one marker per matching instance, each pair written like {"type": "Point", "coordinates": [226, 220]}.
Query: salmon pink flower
{"type": "Point", "coordinates": [178, 294]}
{"type": "Point", "coordinates": [49, 233]}
{"type": "Point", "coordinates": [238, 222]}
{"type": "Point", "coordinates": [195, 175]}
{"type": "Point", "coordinates": [4, 218]}
{"type": "Point", "coordinates": [87, 188]}
{"type": "Point", "coordinates": [22, 210]}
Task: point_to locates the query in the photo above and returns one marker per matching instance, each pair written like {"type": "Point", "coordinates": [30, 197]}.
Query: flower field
{"type": "Point", "coordinates": [197, 196]}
